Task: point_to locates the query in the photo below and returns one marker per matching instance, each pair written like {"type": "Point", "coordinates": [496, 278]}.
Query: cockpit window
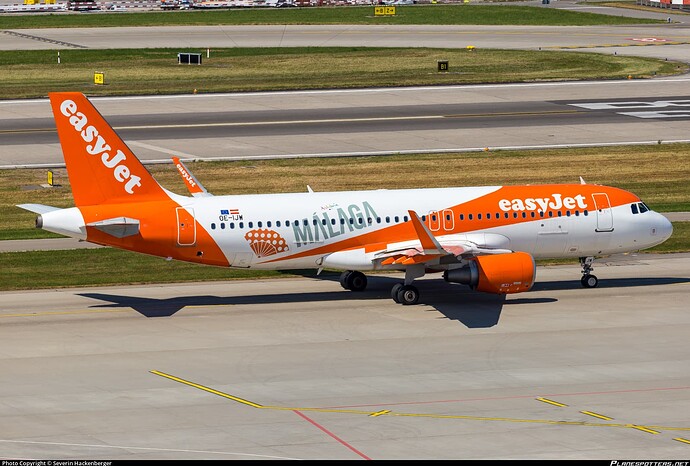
{"type": "Point", "coordinates": [639, 208]}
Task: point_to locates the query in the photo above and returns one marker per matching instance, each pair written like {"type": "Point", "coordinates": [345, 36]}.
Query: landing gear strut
{"type": "Point", "coordinates": [588, 280]}
{"type": "Point", "coordinates": [406, 293]}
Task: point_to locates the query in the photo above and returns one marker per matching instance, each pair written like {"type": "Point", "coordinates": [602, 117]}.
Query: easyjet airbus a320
{"type": "Point", "coordinates": [486, 237]}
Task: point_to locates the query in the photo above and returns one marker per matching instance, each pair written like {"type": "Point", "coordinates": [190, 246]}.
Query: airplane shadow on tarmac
{"type": "Point", "coordinates": [455, 302]}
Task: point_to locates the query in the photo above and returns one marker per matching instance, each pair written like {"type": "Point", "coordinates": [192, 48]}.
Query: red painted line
{"type": "Point", "coordinates": [331, 434]}
{"type": "Point", "coordinates": [508, 397]}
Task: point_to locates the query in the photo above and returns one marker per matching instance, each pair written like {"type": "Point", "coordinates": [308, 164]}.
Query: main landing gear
{"type": "Point", "coordinates": [405, 294]}
{"type": "Point", "coordinates": [402, 293]}
{"type": "Point", "coordinates": [353, 280]}
{"type": "Point", "coordinates": [588, 280]}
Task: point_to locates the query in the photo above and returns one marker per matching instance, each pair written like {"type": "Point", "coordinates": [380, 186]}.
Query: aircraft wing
{"type": "Point", "coordinates": [429, 249]}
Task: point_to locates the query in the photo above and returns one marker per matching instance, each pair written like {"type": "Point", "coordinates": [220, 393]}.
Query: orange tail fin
{"type": "Point", "coordinates": [101, 168]}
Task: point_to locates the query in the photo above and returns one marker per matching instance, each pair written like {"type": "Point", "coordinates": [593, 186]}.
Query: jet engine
{"type": "Point", "coordinates": [499, 274]}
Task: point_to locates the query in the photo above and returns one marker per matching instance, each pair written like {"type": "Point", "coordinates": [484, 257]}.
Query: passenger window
{"type": "Point", "coordinates": [405, 219]}
{"type": "Point", "coordinates": [213, 226]}
{"type": "Point", "coordinates": [306, 222]}
{"type": "Point", "coordinates": [397, 219]}
{"type": "Point", "coordinates": [268, 224]}
{"type": "Point", "coordinates": [250, 224]}
{"type": "Point", "coordinates": [462, 217]}
{"type": "Point", "coordinates": [278, 223]}
{"type": "Point", "coordinates": [479, 216]}
{"type": "Point", "coordinates": [241, 224]}
{"type": "Point", "coordinates": [232, 225]}
{"type": "Point", "coordinates": [506, 215]}
{"type": "Point", "coordinates": [531, 214]}
{"type": "Point", "coordinates": [586, 213]}
{"type": "Point", "coordinates": [323, 221]}
{"type": "Point", "coordinates": [515, 215]}
{"type": "Point", "coordinates": [550, 213]}
{"type": "Point", "coordinates": [560, 213]}
{"type": "Point", "coordinates": [222, 226]}
{"type": "Point", "coordinates": [332, 221]}
{"type": "Point", "coordinates": [423, 218]}
{"type": "Point", "coordinates": [388, 220]}
{"type": "Point", "coordinates": [469, 216]}
{"type": "Point", "coordinates": [567, 213]}
{"type": "Point", "coordinates": [258, 224]}
{"type": "Point", "coordinates": [378, 219]}
{"type": "Point", "coordinates": [524, 215]}
{"type": "Point", "coordinates": [342, 221]}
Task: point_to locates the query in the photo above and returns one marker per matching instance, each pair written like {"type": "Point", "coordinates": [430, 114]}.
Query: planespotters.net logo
{"type": "Point", "coordinates": [648, 463]}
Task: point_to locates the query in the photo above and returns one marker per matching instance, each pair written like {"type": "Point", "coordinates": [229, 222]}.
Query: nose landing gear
{"type": "Point", "coordinates": [588, 280]}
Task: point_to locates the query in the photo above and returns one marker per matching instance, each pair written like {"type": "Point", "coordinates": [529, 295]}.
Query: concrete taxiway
{"type": "Point", "coordinates": [299, 368]}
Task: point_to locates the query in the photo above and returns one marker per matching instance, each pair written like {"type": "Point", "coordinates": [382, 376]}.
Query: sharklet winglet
{"type": "Point", "coordinates": [429, 243]}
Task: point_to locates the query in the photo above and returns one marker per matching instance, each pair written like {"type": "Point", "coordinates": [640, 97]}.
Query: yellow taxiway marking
{"type": "Point", "coordinates": [644, 429]}
{"type": "Point", "coordinates": [600, 416]}
{"type": "Point", "coordinates": [684, 440]}
{"type": "Point", "coordinates": [551, 402]}
{"type": "Point", "coordinates": [386, 412]}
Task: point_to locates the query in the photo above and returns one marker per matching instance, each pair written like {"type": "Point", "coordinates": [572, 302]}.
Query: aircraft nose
{"type": "Point", "coordinates": [663, 227]}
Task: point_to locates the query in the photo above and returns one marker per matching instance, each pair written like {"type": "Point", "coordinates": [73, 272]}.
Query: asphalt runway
{"type": "Point", "coordinates": [298, 368]}
{"type": "Point", "coordinates": [252, 126]}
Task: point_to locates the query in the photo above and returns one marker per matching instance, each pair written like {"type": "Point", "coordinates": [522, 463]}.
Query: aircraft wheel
{"type": "Point", "coordinates": [343, 278]}
{"type": "Point", "coordinates": [589, 281]}
{"type": "Point", "coordinates": [356, 281]}
{"type": "Point", "coordinates": [407, 295]}
{"type": "Point", "coordinates": [394, 292]}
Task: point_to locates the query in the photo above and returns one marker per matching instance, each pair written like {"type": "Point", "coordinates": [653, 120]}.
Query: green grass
{"type": "Point", "coordinates": [106, 266]}
{"type": "Point", "coordinates": [155, 71]}
{"type": "Point", "coordinates": [416, 14]}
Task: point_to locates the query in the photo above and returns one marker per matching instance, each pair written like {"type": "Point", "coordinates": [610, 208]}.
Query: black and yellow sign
{"type": "Point", "coordinates": [384, 11]}
{"type": "Point", "coordinates": [50, 178]}
{"type": "Point", "coordinates": [443, 65]}
{"type": "Point", "coordinates": [99, 77]}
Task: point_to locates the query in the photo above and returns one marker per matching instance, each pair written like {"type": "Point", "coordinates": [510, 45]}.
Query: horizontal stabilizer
{"type": "Point", "coordinates": [38, 208]}
{"type": "Point", "coordinates": [119, 227]}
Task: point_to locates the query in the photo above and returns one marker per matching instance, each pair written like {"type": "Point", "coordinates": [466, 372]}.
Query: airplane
{"type": "Point", "coordinates": [487, 237]}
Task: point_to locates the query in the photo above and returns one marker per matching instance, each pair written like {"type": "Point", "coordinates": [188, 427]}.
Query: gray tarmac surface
{"type": "Point", "coordinates": [300, 368]}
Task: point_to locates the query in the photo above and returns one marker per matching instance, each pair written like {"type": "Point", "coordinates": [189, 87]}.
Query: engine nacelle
{"type": "Point", "coordinates": [498, 274]}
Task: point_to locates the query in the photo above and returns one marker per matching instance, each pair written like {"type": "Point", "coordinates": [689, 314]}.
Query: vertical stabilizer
{"type": "Point", "coordinates": [101, 168]}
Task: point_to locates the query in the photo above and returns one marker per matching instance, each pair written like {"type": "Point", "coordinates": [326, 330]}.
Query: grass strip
{"type": "Point", "coordinates": [405, 15]}
{"type": "Point", "coordinates": [155, 71]}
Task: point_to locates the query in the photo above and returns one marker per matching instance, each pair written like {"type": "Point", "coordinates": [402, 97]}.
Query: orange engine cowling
{"type": "Point", "coordinates": [499, 274]}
